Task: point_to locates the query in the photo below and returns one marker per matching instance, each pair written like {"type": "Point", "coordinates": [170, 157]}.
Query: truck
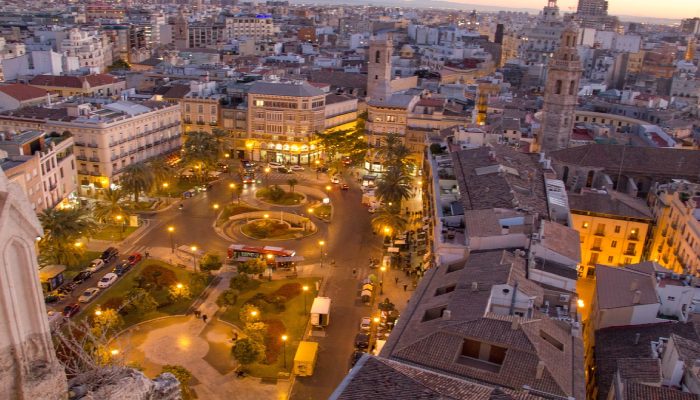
{"type": "Point", "coordinates": [320, 311]}
{"type": "Point", "coordinates": [305, 358]}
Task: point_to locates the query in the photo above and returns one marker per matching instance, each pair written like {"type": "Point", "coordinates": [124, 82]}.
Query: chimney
{"type": "Point", "coordinates": [636, 338]}
{"type": "Point", "coordinates": [475, 286]}
{"type": "Point", "coordinates": [446, 315]}
{"type": "Point", "coordinates": [540, 370]}
{"type": "Point", "coordinates": [634, 285]}
{"type": "Point", "coordinates": [515, 324]}
{"type": "Point", "coordinates": [637, 297]}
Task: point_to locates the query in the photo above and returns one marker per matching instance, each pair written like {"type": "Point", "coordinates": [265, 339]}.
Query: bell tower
{"type": "Point", "coordinates": [561, 93]}
{"type": "Point", "coordinates": [379, 69]}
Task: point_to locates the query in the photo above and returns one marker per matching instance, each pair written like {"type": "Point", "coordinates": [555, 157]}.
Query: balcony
{"type": "Point", "coordinates": [93, 145]}
{"type": "Point", "coordinates": [664, 232]}
{"type": "Point", "coordinates": [95, 159]}
{"type": "Point", "coordinates": [629, 253]}
{"type": "Point", "coordinates": [634, 237]}
{"type": "Point", "coordinates": [674, 225]}
{"type": "Point", "coordinates": [81, 157]}
{"type": "Point", "coordinates": [599, 233]}
{"type": "Point", "coordinates": [669, 241]}
{"type": "Point", "coordinates": [595, 248]}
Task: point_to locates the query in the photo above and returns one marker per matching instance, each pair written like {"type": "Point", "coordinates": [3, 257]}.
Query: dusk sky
{"type": "Point", "coordinates": [647, 8]}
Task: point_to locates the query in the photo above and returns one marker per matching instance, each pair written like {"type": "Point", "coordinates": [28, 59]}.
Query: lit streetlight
{"type": "Point", "coordinates": [317, 162]}
{"type": "Point", "coordinates": [305, 289]}
{"type": "Point", "coordinates": [167, 193]}
{"type": "Point", "coordinates": [269, 260]}
{"type": "Point", "coordinates": [171, 229]}
{"type": "Point", "coordinates": [122, 221]}
{"type": "Point", "coordinates": [254, 313]}
{"type": "Point", "coordinates": [322, 243]}
{"type": "Point", "coordinates": [580, 303]}
{"type": "Point", "coordinates": [179, 286]}
{"type": "Point", "coordinates": [98, 312]}
{"type": "Point", "coordinates": [194, 257]}
{"type": "Point", "coordinates": [376, 320]}
{"type": "Point", "coordinates": [267, 176]}
{"type": "Point", "coordinates": [284, 350]}
{"type": "Point", "coordinates": [114, 352]}
{"type": "Point", "coordinates": [78, 244]}
{"type": "Point", "coordinates": [329, 187]}
{"type": "Point", "coordinates": [381, 282]}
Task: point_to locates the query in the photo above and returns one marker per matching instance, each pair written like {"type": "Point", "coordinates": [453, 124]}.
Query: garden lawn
{"type": "Point", "coordinates": [322, 211]}
{"type": "Point", "coordinates": [113, 232]}
{"type": "Point", "coordinates": [286, 199]}
{"type": "Point", "coordinates": [126, 282]}
{"type": "Point", "coordinates": [268, 229]}
{"type": "Point", "coordinates": [72, 271]}
{"type": "Point", "coordinates": [293, 318]}
{"type": "Point", "coordinates": [234, 209]}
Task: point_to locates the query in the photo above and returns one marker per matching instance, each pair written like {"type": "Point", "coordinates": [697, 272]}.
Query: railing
{"type": "Point", "coordinates": [629, 252]}
{"type": "Point", "coordinates": [81, 158]}
{"type": "Point", "coordinates": [93, 145]}
{"type": "Point", "coordinates": [95, 159]}
{"type": "Point", "coordinates": [634, 237]}
{"type": "Point", "coordinates": [595, 248]}
{"type": "Point", "coordinates": [599, 233]}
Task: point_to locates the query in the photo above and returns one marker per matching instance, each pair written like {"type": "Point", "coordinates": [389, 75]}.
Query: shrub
{"type": "Point", "coordinates": [247, 351]}
{"type": "Point", "coordinates": [288, 291]}
{"type": "Point", "coordinates": [113, 302]}
{"type": "Point", "coordinates": [210, 262]}
{"type": "Point", "coordinates": [275, 193]}
{"type": "Point", "coordinates": [273, 341]}
{"type": "Point", "coordinates": [243, 283]}
{"type": "Point", "coordinates": [229, 297]}
{"type": "Point", "coordinates": [158, 276]}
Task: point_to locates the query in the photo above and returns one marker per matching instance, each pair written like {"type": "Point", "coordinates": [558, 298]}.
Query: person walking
{"type": "Point", "coordinates": [396, 280]}
{"type": "Point", "coordinates": [354, 271]}
{"type": "Point", "coordinates": [405, 286]}
{"type": "Point", "coordinates": [204, 317]}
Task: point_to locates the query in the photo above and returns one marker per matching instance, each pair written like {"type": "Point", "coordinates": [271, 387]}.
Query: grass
{"type": "Point", "coordinates": [293, 318]}
{"type": "Point", "coordinates": [284, 199]}
{"type": "Point", "coordinates": [113, 232]}
{"type": "Point", "coordinates": [234, 209]}
{"type": "Point", "coordinates": [323, 211]}
{"type": "Point", "coordinates": [268, 229]}
{"type": "Point", "coordinates": [126, 282]}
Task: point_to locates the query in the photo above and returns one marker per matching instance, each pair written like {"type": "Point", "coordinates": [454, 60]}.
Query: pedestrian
{"type": "Point", "coordinates": [396, 279]}
{"type": "Point", "coordinates": [354, 271]}
{"type": "Point", "coordinates": [405, 286]}
{"type": "Point", "coordinates": [147, 254]}
{"type": "Point", "coordinates": [197, 313]}
{"type": "Point", "coordinates": [204, 318]}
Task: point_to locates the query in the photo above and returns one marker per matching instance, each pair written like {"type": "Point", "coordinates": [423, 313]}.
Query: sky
{"type": "Point", "coordinates": [675, 9]}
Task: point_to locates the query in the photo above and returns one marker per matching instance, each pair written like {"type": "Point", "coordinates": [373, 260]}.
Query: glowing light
{"type": "Point", "coordinates": [171, 229]}
{"type": "Point", "coordinates": [98, 312]}
{"type": "Point", "coordinates": [284, 338]}
{"type": "Point", "coordinates": [321, 242]}
{"type": "Point", "coordinates": [376, 320]}
{"type": "Point", "coordinates": [580, 303]}
{"type": "Point", "coordinates": [179, 286]}
{"type": "Point", "coordinates": [194, 248]}
{"type": "Point", "coordinates": [114, 352]}
{"type": "Point", "coordinates": [305, 288]}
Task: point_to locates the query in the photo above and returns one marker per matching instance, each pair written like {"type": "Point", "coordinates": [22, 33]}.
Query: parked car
{"type": "Point", "coordinates": [274, 165]}
{"type": "Point", "coordinates": [344, 186]}
{"type": "Point", "coordinates": [248, 178]}
{"type": "Point", "coordinates": [83, 276]}
{"type": "Point", "coordinates": [95, 265]}
{"type": "Point", "coordinates": [284, 170]}
{"type": "Point", "coordinates": [67, 288]}
{"type": "Point", "coordinates": [347, 160]}
{"type": "Point", "coordinates": [107, 280]}
{"type": "Point", "coordinates": [88, 295]}
{"type": "Point", "coordinates": [322, 168]}
{"type": "Point", "coordinates": [365, 323]}
{"type": "Point", "coordinates": [362, 340]}
{"type": "Point", "coordinates": [122, 268]}
{"type": "Point", "coordinates": [335, 179]}
{"type": "Point", "coordinates": [297, 168]}
{"type": "Point", "coordinates": [134, 258]}
{"type": "Point", "coordinates": [71, 309]}
{"type": "Point", "coordinates": [110, 254]}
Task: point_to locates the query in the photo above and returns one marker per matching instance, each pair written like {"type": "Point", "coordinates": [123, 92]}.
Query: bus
{"type": "Point", "coordinates": [274, 256]}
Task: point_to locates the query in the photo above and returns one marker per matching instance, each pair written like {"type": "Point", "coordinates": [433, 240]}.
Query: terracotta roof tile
{"type": "Point", "coordinates": [94, 80]}
{"type": "Point", "coordinates": [616, 287]}
{"type": "Point", "coordinates": [23, 92]}
{"type": "Point", "coordinates": [640, 391]}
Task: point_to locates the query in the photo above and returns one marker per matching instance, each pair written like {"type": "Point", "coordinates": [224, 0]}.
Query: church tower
{"type": "Point", "coordinates": [561, 93]}
{"type": "Point", "coordinates": [181, 32]}
{"type": "Point", "coordinates": [379, 69]}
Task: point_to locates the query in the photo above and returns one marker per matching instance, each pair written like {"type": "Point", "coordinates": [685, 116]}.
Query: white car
{"type": "Point", "coordinates": [95, 265]}
{"type": "Point", "coordinates": [107, 280]}
{"type": "Point", "coordinates": [274, 165]}
{"type": "Point", "coordinates": [335, 179]}
{"type": "Point", "coordinates": [88, 295]}
{"type": "Point", "coordinates": [297, 168]}
{"type": "Point", "coordinates": [365, 323]}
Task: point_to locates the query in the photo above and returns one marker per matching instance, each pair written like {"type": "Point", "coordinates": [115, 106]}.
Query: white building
{"type": "Point", "coordinates": [89, 47]}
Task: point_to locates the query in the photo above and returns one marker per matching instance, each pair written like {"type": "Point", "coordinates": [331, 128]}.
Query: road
{"type": "Point", "coordinates": [350, 242]}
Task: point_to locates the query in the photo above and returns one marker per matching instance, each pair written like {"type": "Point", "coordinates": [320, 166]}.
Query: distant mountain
{"type": "Point", "coordinates": [447, 5]}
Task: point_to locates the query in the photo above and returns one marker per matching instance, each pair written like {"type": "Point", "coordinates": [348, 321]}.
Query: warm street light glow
{"type": "Point", "coordinates": [317, 162]}
{"type": "Point", "coordinates": [98, 312]}
{"type": "Point", "coordinates": [194, 248]}
{"type": "Point", "coordinates": [216, 206]}
{"type": "Point", "coordinates": [119, 217]}
{"type": "Point", "coordinates": [321, 242]}
{"type": "Point", "coordinates": [581, 304]}
{"type": "Point", "coordinates": [383, 268]}
{"type": "Point", "coordinates": [232, 185]}
{"type": "Point", "coordinates": [284, 338]}
{"type": "Point", "coordinates": [269, 256]}
{"type": "Point", "coordinates": [78, 244]}
{"type": "Point", "coordinates": [114, 352]}
{"type": "Point", "coordinates": [376, 320]}
{"type": "Point", "coordinates": [267, 170]}
{"type": "Point", "coordinates": [179, 286]}
{"type": "Point", "coordinates": [310, 210]}
{"type": "Point", "coordinates": [227, 155]}
{"type": "Point", "coordinates": [266, 216]}
{"type": "Point", "coordinates": [171, 229]}
{"type": "Point", "coordinates": [253, 313]}
{"type": "Point", "coordinates": [328, 187]}
{"type": "Point", "coordinates": [387, 230]}
{"type": "Point", "coordinates": [165, 185]}
{"type": "Point", "coordinates": [305, 288]}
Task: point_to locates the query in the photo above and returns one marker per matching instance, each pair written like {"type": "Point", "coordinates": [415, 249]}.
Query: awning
{"type": "Point", "coordinates": [393, 250]}
{"type": "Point", "coordinates": [289, 259]}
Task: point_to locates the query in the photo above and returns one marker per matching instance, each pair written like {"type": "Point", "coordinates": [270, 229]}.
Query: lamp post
{"type": "Point", "coordinates": [322, 243]}
{"type": "Point", "coordinates": [194, 257]}
{"type": "Point", "coordinates": [267, 176]}
{"type": "Point", "coordinates": [305, 289]}
{"type": "Point", "coordinates": [317, 162]}
{"type": "Point", "coordinates": [167, 193]}
{"type": "Point", "coordinates": [381, 282]}
{"type": "Point", "coordinates": [269, 267]}
{"type": "Point", "coordinates": [215, 207]}
{"type": "Point", "coordinates": [120, 220]}
{"type": "Point", "coordinates": [284, 350]}
{"type": "Point", "coordinates": [171, 229]}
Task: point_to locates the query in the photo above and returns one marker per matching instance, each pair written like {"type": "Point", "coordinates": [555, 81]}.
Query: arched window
{"type": "Point", "coordinates": [377, 56]}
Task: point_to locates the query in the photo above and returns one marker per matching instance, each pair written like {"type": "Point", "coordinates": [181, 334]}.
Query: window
{"type": "Point", "coordinates": [551, 340]}
{"type": "Point", "coordinates": [610, 259]}
{"type": "Point", "coordinates": [444, 290]}
{"type": "Point", "coordinates": [454, 267]}
{"type": "Point", "coordinates": [477, 350]}
{"type": "Point", "coordinates": [613, 244]}
{"type": "Point", "coordinates": [390, 118]}
{"type": "Point", "coordinates": [557, 87]}
{"type": "Point", "coordinates": [617, 228]}
{"type": "Point", "coordinates": [671, 298]}
{"type": "Point", "coordinates": [628, 260]}
{"type": "Point", "coordinates": [259, 103]}
{"type": "Point", "coordinates": [377, 56]}
{"type": "Point", "coordinates": [434, 313]}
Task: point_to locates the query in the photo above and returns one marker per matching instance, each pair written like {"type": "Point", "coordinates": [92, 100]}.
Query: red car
{"type": "Point", "coordinates": [134, 258]}
{"type": "Point", "coordinates": [71, 309]}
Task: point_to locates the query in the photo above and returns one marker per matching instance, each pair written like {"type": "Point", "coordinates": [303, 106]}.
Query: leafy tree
{"type": "Point", "coordinates": [158, 276]}
{"type": "Point", "coordinates": [136, 179]}
{"type": "Point", "coordinates": [62, 229]}
{"type": "Point", "coordinates": [386, 305]}
{"type": "Point", "coordinates": [179, 291]}
{"type": "Point", "coordinates": [292, 182]}
{"type": "Point", "coordinates": [198, 281]}
{"type": "Point", "coordinates": [256, 331]}
{"type": "Point", "coordinates": [275, 193]}
{"type": "Point", "coordinates": [253, 266]}
{"type": "Point", "coordinates": [243, 283]}
{"type": "Point", "coordinates": [389, 216]}
{"type": "Point", "coordinates": [119, 65]}
{"type": "Point", "coordinates": [140, 301]}
{"type": "Point", "coordinates": [228, 297]}
{"type": "Point", "coordinates": [108, 322]}
{"type": "Point", "coordinates": [107, 210]}
{"type": "Point", "coordinates": [248, 351]}
{"type": "Point", "coordinates": [436, 148]}
{"type": "Point", "coordinates": [184, 376]}
{"type": "Point", "coordinates": [249, 314]}
{"type": "Point", "coordinates": [210, 262]}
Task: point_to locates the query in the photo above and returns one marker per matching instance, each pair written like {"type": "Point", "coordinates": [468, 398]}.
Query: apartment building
{"type": "Point", "coordinates": [24, 171]}
{"type": "Point", "coordinates": [675, 241]}
{"type": "Point", "coordinates": [251, 26]}
{"type": "Point", "coordinates": [201, 113]}
{"type": "Point", "coordinates": [613, 228]}
{"type": "Point", "coordinates": [56, 160]}
{"type": "Point", "coordinates": [86, 85]}
{"type": "Point", "coordinates": [282, 120]}
{"type": "Point", "coordinates": [89, 47]}
{"type": "Point", "coordinates": [385, 117]}
{"type": "Point", "coordinates": [108, 136]}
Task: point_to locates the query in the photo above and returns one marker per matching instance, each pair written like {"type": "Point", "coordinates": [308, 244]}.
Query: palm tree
{"type": "Point", "coordinates": [62, 229]}
{"type": "Point", "coordinates": [201, 151]}
{"type": "Point", "coordinates": [394, 186]}
{"type": "Point", "coordinates": [163, 172]}
{"type": "Point", "coordinates": [292, 182]}
{"type": "Point", "coordinates": [107, 210]}
{"type": "Point", "coordinates": [389, 217]}
{"type": "Point", "coordinates": [137, 178]}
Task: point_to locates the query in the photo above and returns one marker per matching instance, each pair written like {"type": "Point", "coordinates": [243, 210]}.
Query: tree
{"type": "Point", "coordinates": [107, 210]}
{"type": "Point", "coordinates": [210, 262]}
{"type": "Point", "coordinates": [107, 322]}
{"type": "Point", "coordinates": [394, 186]}
{"type": "Point", "coordinates": [292, 182]}
{"type": "Point", "coordinates": [436, 148]}
{"type": "Point", "coordinates": [249, 314]}
{"type": "Point", "coordinates": [62, 230]}
{"type": "Point", "coordinates": [228, 297]}
{"type": "Point", "coordinates": [256, 331]}
{"type": "Point", "coordinates": [253, 266]}
{"type": "Point", "coordinates": [179, 291]}
{"type": "Point", "coordinates": [183, 375]}
{"type": "Point", "coordinates": [201, 152]}
{"type": "Point", "coordinates": [248, 351]}
{"type": "Point", "coordinates": [119, 65]}
{"type": "Point", "coordinates": [140, 301]}
{"type": "Point", "coordinates": [136, 179]}
{"type": "Point", "coordinates": [389, 216]}
{"type": "Point", "coordinates": [163, 172]}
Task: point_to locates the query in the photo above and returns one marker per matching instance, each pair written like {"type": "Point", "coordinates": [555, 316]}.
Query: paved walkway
{"type": "Point", "coordinates": [203, 348]}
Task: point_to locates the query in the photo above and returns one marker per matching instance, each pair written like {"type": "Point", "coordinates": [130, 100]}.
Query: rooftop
{"type": "Point", "coordinates": [296, 89]}
{"type": "Point", "coordinates": [608, 204]}
{"type": "Point", "coordinates": [402, 101]}
{"type": "Point", "coordinates": [73, 81]}
{"type": "Point", "coordinates": [622, 287]}
{"type": "Point", "coordinates": [22, 92]}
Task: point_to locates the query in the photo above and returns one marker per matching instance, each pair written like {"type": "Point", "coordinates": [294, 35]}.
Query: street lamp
{"type": "Point", "coordinates": [305, 288]}
{"type": "Point", "coordinates": [329, 187]}
{"type": "Point", "coordinates": [171, 229]}
{"type": "Point", "coordinates": [267, 175]}
{"type": "Point", "coordinates": [167, 193]}
{"type": "Point", "coordinates": [376, 320]}
{"type": "Point", "coordinates": [114, 352]}
{"type": "Point", "coordinates": [269, 268]}
{"type": "Point", "coordinates": [322, 243]}
{"type": "Point", "coordinates": [381, 282]}
{"type": "Point", "coordinates": [284, 350]}
{"type": "Point", "coordinates": [194, 257]}
{"type": "Point", "coordinates": [98, 312]}
{"type": "Point", "coordinates": [317, 162]}
{"type": "Point", "coordinates": [216, 208]}
{"type": "Point", "coordinates": [121, 220]}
